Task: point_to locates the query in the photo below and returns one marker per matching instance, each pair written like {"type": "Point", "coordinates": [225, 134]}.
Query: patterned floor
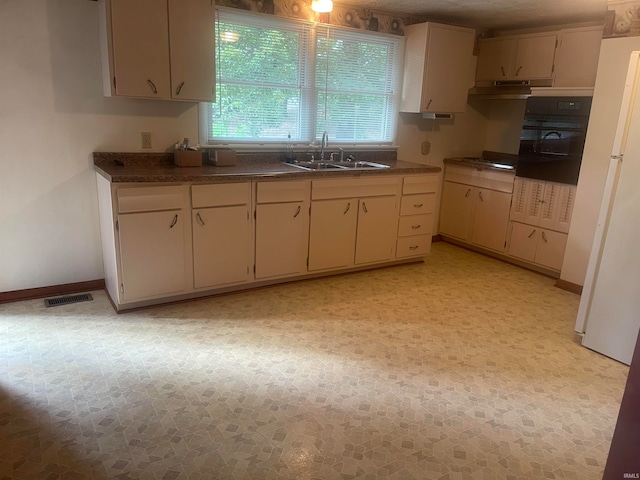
{"type": "Point", "coordinates": [460, 368]}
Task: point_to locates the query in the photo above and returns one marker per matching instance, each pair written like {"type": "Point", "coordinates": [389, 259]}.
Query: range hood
{"type": "Point", "coordinates": [507, 89]}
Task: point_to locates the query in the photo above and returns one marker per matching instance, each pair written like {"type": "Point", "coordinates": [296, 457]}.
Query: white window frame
{"type": "Point", "coordinates": [278, 145]}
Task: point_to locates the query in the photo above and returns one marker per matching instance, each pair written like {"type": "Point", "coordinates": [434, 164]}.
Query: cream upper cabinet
{"type": "Point", "coordinates": [436, 68]}
{"type": "Point", "coordinates": [495, 59]}
{"type": "Point", "coordinates": [577, 57]}
{"type": "Point", "coordinates": [158, 49]}
{"type": "Point", "coordinates": [192, 37]}
{"type": "Point", "coordinates": [522, 57]}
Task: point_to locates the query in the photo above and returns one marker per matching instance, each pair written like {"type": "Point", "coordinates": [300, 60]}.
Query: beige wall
{"type": "Point", "coordinates": [53, 116]}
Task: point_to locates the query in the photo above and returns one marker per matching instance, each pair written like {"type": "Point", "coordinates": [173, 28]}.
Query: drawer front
{"type": "Point", "coordinates": [417, 204]}
{"type": "Point", "coordinates": [218, 195]}
{"type": "Point", "coordinates": [354, 187]}
{"type": "Point", "coordinates": [276, 192]}
{"type": "Point", "coordinates": [150, 199]}
{"type": "Point", "coordinates": [420, 184]}
{"type": "Point", "coordinates": [480, 177]}
{"type": "Point", "coordinates": [413, 246]}
{"type": "Point", "coordinates": [415, 225]}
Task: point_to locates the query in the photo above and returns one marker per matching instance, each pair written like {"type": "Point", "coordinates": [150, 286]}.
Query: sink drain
{"type": "Point", "coordinates": [54, 302]}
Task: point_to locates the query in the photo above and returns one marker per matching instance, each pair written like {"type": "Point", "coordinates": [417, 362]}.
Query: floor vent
{"type": "Point", "coordinates": [54, 302]}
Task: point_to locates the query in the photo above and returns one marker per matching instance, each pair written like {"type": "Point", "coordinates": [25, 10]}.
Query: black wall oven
{"type": "Point", "coordinates": [552, 138]}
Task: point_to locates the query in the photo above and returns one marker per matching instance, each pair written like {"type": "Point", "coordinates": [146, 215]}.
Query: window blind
{"type": "Point", "coordinates": [281, 80]}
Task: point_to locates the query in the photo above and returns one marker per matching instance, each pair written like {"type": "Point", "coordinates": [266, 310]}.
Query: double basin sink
{"type": "Point", "coordinates": [335, 166]}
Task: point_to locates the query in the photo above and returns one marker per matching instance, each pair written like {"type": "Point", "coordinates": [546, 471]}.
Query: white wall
{"type": "Point", "coordinates": [52, 117]}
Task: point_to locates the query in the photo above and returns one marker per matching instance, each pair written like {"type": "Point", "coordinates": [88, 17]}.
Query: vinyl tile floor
{"type": "Point", "coordinates": [463, 367]}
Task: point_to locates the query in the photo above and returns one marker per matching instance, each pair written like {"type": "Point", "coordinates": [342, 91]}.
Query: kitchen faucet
{"type": "Point", "coordinates": [324, 143]}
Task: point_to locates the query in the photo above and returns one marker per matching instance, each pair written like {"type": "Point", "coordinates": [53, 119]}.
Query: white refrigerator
{"type": "Point", "coordinates": [609, 312]}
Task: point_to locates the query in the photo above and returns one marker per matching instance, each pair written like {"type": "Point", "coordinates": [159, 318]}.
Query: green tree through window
{"type": "Point", "coordinates": [281, 79]}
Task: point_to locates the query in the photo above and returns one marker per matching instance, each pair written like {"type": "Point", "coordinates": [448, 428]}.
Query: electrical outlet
{"type": "Point", "coordinates": [426, 148]}
{"type": "Point", "coordinates": [145, 138]}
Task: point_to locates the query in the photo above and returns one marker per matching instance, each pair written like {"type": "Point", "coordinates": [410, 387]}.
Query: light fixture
{"type": "Point", "coordinates": [322, 6]}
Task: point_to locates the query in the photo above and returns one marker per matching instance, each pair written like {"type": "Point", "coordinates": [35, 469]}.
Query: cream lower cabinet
{"type": "Point", "coordinates": [348, 230]}
{"type": "Point", "coordinates": [475, 206]}
{"type": "Point", "coordinates": [153, 234]}
{"type": "Point", "coordinates": [540, 218]}
{"type": "Point", "coordinates": [538, 245]}
{"type": "Point", "coordinates": [222, 240]}
{"type": "Point", "coordinates": [417, 207]}
{"type": "Point", "coordinates": [281, 228]}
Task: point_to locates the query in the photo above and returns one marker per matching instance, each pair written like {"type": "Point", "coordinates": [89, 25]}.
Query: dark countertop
{"type": "Point", "coordinates": [159, 167]}
{"type": "Point", "coordinates": [504, 162]}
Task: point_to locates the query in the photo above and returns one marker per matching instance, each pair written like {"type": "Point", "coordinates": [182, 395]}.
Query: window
{"type": "Point", "coordinates": [281, 80]}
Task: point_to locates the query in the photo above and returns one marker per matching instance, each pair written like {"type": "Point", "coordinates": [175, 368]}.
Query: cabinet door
{"type": "Point", "coordinates": [152, 251]}
{"type": "Point", "coordinates": [534, 57]}
{"type": "Point", "coordinates": [491, 219]}
{"type": "Point", "coordinates": [446, 74]}
{"type": "Point", "coordinates": [550, 249]}
{"type": "Point", "coordinates": [192, 36]}
{"type": "Point", "coordinates": [522, 243]}
{"type": "Point", "coordinates": [577, 57]}
{"type": "Point", "coordinates": [221, 245]}
{"type": "Point", "coordinates": [282, 234]}
{"type": "Point", "coordinates": [495, 58]}
{"type": "Point", "coordinates": [140, 41]}
{"type": "Point", "coordinates": [377, 229]}
{"type": "Point", "coordinates": [456, 210]}
{"type": "Point", "coordinates": [332, 233]}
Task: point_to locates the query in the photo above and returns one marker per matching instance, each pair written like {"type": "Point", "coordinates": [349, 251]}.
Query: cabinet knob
{"type": "Point", "coordinates": [429, 104]}
{"type": "Point", "coordinates": [415, 227]}
{"type": "Point", "coordinates": [179, 89]}
{"type": "Point", "coordinates": [532, 232]}
{"type": "Point", "coordinates": [200, 220]}
{"type": "Point", "coordinates": [348, 208]}
{"type": "Point", "coordinates": [518, 70]}
{"type": "Point", "coordinates": [418, 205]}
{"type": "Point", "coordinates": [297, 212]}
{"type": "Point", "coordinates": [364, 207]}
{"type": "Point", "coordinates": [480, 196]}
{"type": "Point", "coordinates": [544, 237]}
{"type": "Point", "coordinates": [503, 72]}
{"type": "Point", "coordinates": [468, 193]}
{"type": "Point", "coordinates": [175, 220]}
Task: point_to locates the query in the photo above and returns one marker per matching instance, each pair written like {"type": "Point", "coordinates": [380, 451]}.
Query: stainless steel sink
{"type": "Point", "coordinates": [336, 166]}
{"type": "Point", "coordinates": [360, 165]}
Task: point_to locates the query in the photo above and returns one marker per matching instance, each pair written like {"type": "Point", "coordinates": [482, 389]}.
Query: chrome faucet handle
{"type": "Point", "coordinates": [331, 155]}
{"type": "Point", "coordinates": [341, 154]}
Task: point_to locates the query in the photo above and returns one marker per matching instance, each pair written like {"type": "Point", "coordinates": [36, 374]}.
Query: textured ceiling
{"type": "Point", "coordinates": [492, 14]}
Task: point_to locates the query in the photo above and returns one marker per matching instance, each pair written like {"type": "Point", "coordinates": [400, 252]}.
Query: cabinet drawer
{"type": "Point", "coordinates": [415, 225]}
{"type": "Point", "coordinates": [219, 195]}
{"type": "Point", "coordinates": [354, 187]}
{"type": "Point", "coordinates": [480, 177]}
{"type": "Point", "coordinates": [420, 184]}
{"type": "Point", "coordinates": [416, 204]}
{"type": "Point", "coordinates": [413, 246]}
{"type": "Point", "coordinates": [149, 199]}
{"type": "Point", "coordinates": [276, 192]}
